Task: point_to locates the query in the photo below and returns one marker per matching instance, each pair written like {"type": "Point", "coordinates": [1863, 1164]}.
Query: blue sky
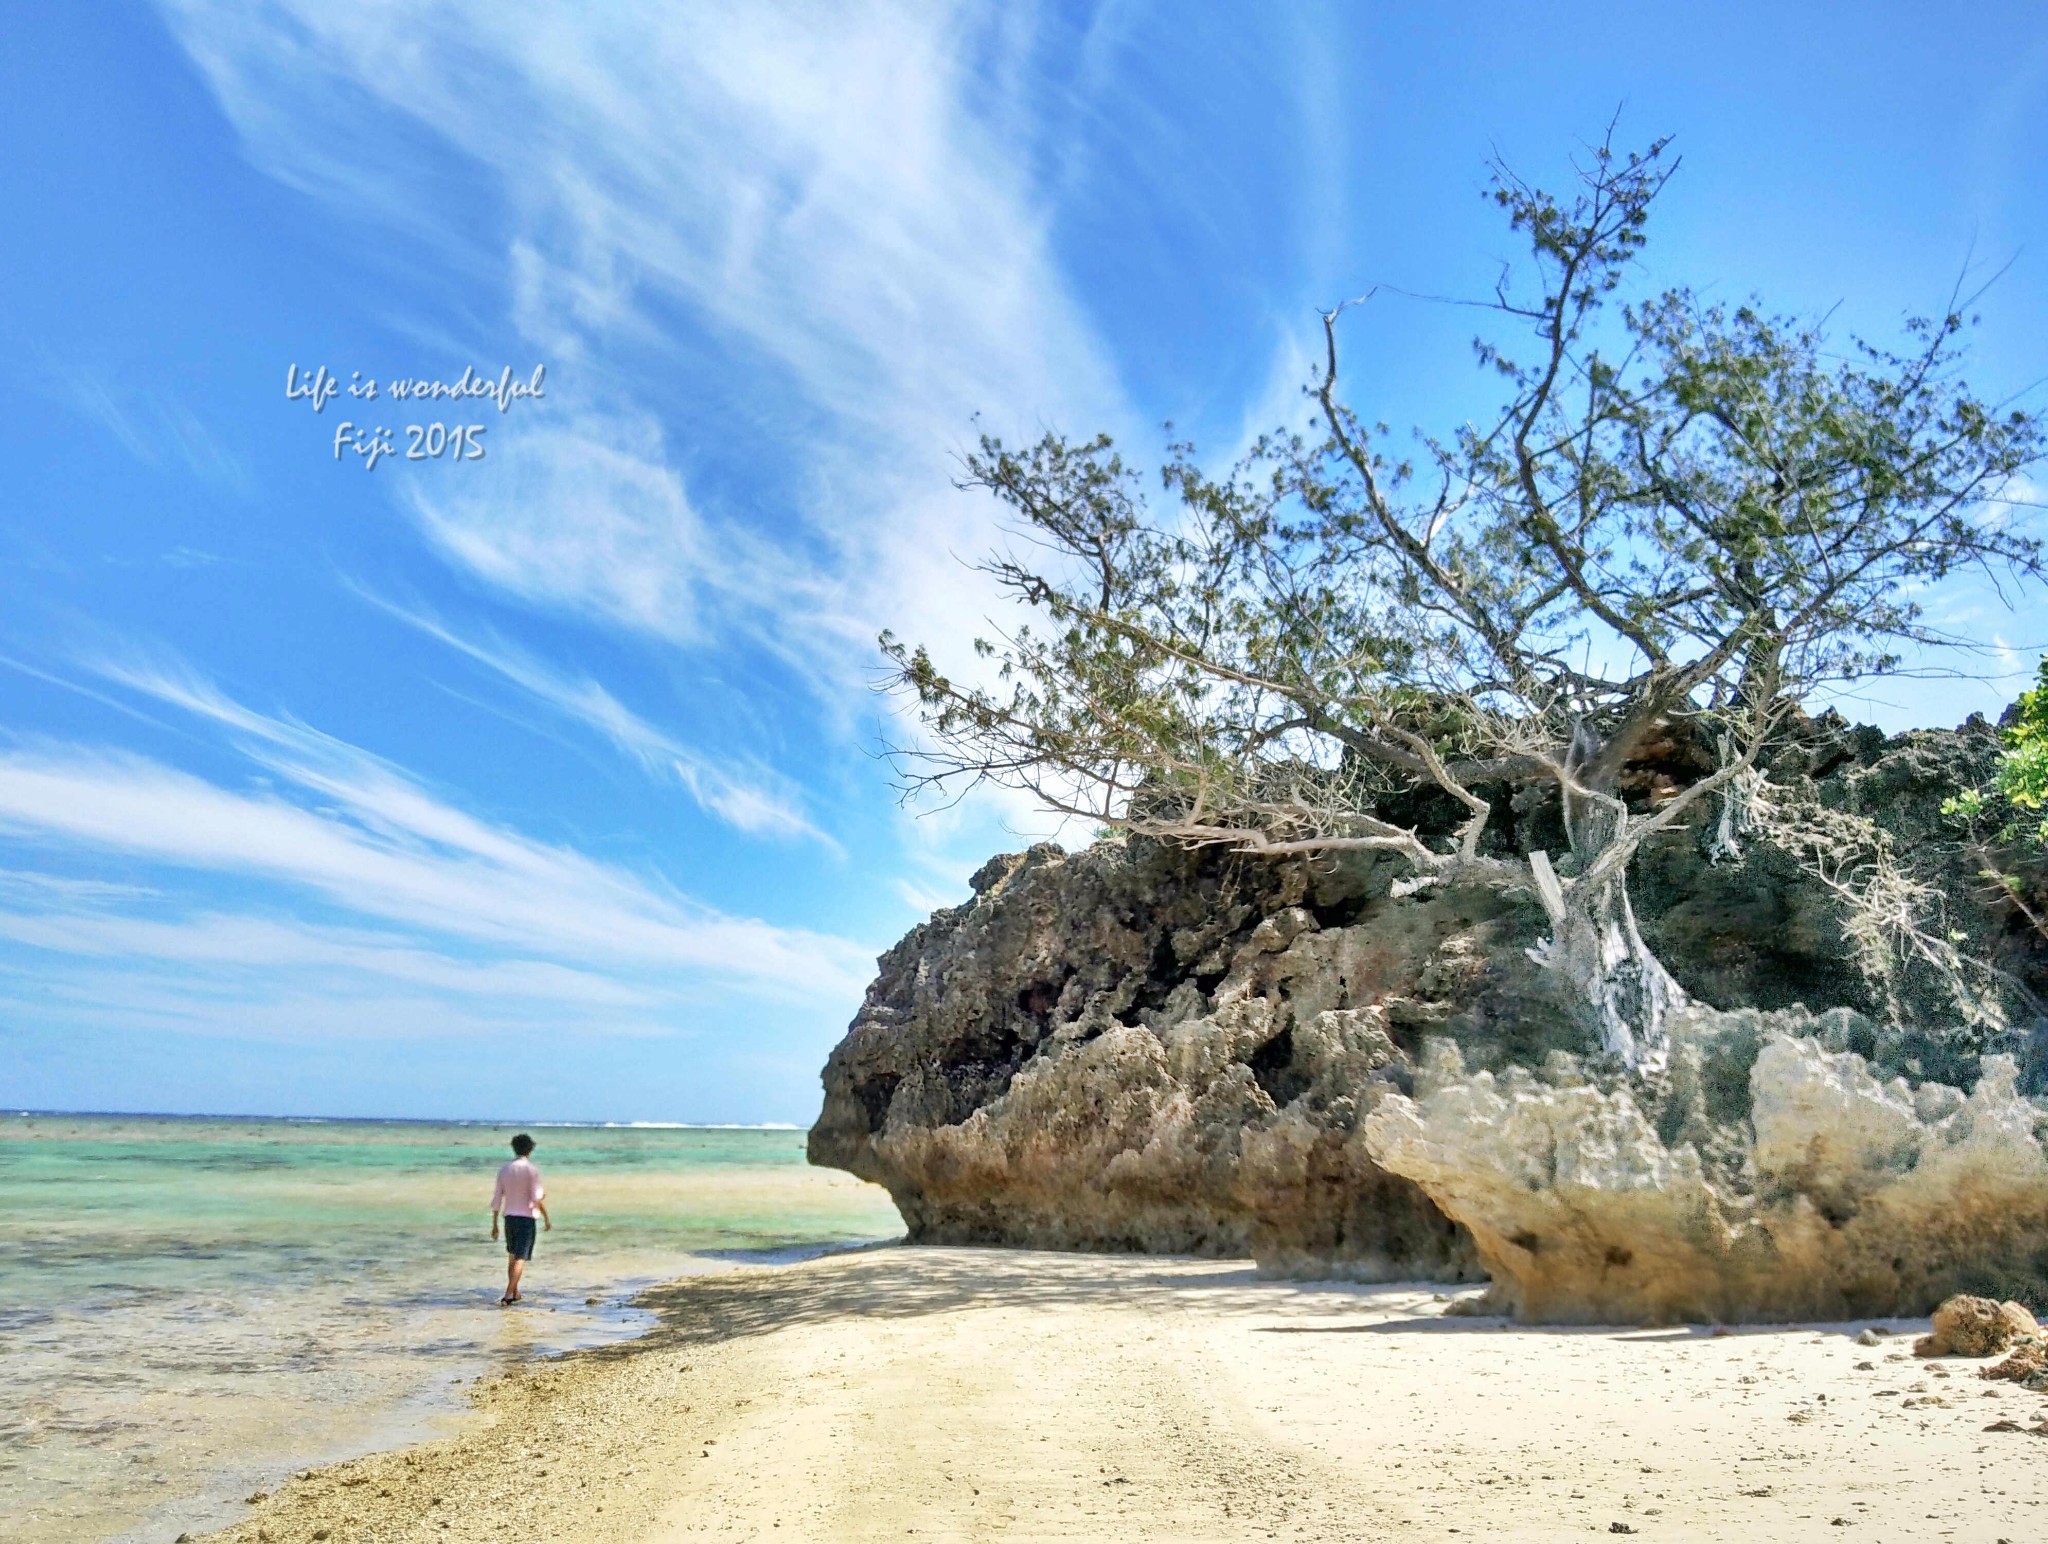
{"type": "Point", "coordinates": [544, 785]}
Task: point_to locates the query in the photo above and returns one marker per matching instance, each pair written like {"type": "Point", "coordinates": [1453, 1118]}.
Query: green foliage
{"type": "Point", "coordinates": [2012, 850]}
{"type": "Point", "coordinates": [2018, 782]}
{"type": "Point", "coordinates": [2023, 769]}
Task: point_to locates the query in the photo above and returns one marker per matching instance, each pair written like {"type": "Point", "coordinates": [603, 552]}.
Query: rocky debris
{"type": "Point", "coordinates": [2027, 1364]}
{"type": "Point", "coordinates": [2038, 1429]}
{"type": "Point", "coordinates": [1342, 1073]}
{"type": "Point", "coordinates": [1976, 1326]}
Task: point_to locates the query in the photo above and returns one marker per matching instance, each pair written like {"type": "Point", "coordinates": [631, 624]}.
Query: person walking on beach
{"type": "Point", "coordinates": [519, 1195]}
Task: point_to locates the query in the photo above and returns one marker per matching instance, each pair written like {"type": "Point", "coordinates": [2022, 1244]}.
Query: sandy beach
{"type": "Point", "coordinates": [985, 1394]}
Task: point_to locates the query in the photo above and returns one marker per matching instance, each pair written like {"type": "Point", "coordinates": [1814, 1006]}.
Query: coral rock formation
{"type": "Point", "coordinates": [1161, 1051]}
{"type": "Point", "coordinates": [1345, 1073]}
{"type": "Point", "coordinates": [1834, 1194]}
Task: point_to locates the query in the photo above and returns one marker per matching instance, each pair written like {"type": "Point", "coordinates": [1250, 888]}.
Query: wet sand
{"type": "Point", "coordinates": [996, 1394]}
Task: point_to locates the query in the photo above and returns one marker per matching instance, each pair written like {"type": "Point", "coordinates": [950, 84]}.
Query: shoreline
{"type": "Point", "coordinates": [439, 1405]}
{"type": "Point", "coordinates": [195, 1309]}
{"type": "Point", "coordinates": [434, 1405]}
{"type": "Point", "coordinates": [989, 1393]}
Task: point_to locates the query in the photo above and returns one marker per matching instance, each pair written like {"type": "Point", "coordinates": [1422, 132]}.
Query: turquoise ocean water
{"type": "Point", "coordinates": [191, 1308]}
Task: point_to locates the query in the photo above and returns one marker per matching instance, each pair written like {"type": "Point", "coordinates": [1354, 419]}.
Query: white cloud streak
{"type": "Point", "coordinates": [839, 196]}
{"type": "Point", "coordinates": [383, 848]}
{"type": "Point", "coordinates": [442, 922]}
{"type": "Point", "coordinates": [154, 426]}
{"type": "Point", "coordinates": [579, 516]}
{"type": "Point", "coordinates": [212, 941]}
{"type": "Point", "coordinates": [751, 797]}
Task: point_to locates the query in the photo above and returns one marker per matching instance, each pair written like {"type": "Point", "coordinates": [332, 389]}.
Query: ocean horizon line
{"type": "Point", "coordinates": [405, 1120]}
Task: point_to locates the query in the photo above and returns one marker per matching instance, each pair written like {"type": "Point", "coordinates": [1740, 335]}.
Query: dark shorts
{"type": "Point", "coordinates": [519, 1237]}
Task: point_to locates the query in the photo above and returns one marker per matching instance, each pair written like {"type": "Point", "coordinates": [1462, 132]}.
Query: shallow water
{"type": "Point", "coordinates": [191, 1308]}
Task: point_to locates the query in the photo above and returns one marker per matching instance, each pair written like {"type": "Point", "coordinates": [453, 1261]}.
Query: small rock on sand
{"type": "Point", "coordinates": [1976, 1326]}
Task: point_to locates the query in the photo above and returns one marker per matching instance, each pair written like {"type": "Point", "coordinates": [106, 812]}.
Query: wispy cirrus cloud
{"type": "Point", "coordinates": [843, 200]}
{"type": "Point", "coordinates": [154, 425]}
{"type": "Point", "coordinates": [752, 797]}
{"type": "Point", "coordinates": [581, 515]}
{"type": "Point", "coordinates": [382, 847]}
{"type": "Point", "coordinates": [357, 897]}
{"type": "Point", "coordinates": [209, 940]}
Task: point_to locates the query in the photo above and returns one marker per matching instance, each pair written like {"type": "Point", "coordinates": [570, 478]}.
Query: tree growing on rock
{"type": "Point", "coordinates": [1682, 510]}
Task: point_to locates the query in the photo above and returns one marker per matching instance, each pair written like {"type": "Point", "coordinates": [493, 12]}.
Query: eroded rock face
{"type": "Point", "coordinates": [1139, 1047]}
{"type": "Point", "coordinates": [1840, 1195]}
{"type": "Point", "coordinates": [1167, 1051]}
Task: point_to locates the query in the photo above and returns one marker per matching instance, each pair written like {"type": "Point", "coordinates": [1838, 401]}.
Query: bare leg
{"type": "Point", "coordinates": [514, 1269]}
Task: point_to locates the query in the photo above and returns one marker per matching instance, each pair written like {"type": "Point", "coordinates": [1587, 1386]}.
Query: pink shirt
{"type": "Point", "coordinates": [519, 1189]}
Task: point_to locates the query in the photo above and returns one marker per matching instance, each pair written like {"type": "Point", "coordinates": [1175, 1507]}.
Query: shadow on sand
{"type": "Point", "coordinates": [909, 1281]}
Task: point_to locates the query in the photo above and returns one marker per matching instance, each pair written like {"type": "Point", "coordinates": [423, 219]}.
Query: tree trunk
{"type": "Point", "coordinates": [1595, 945]}
{"type": "Point", "coordinates": [1594, 942]}
{"type": "Point", "coordinates": [1738, 809]}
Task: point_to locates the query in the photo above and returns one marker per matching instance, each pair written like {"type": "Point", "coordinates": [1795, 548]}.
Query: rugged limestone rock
{"type": "Point", "coordinates": [1762, 933]}
{"type": "Point", "coordinates": [1153, 1049]}
{"type": "Point", "coordinates": [1139, 1047]}
{"type": "Point", "coordinates": [1595, 1200]}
